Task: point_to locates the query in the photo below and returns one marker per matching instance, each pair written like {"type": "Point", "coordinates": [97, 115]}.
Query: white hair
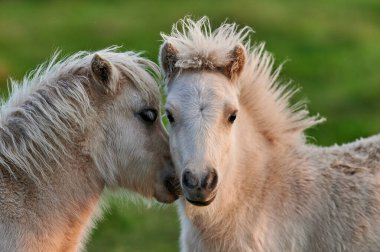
{"type": "Point", "coordinates": [197, 46]}
{"type": "Point", "coordinates": [270, 191]}
{"type": "Point", "coordinates": [50, 107]}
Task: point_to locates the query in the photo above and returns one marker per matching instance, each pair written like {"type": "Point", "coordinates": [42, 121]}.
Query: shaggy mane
{"type": "Point", "coordinates": [266, 98]}
{"type": "Point", "coordinates": [50, 107]}
{"type": "Point", "coordinates": [200, 47]}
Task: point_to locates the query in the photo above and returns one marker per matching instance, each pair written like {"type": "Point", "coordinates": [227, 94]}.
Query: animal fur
{"type": "Point", "coordinates": [68, 131]}
{"type": "Point", "coordinates": [275, 191]}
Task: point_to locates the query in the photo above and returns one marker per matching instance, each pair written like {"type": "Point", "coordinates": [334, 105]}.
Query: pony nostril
{"type": "Point", "coordinates": [189, 180]}
{"type": "Point", "coordinates": [210, 181]}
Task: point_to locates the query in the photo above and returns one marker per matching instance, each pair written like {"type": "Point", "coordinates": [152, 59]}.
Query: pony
{"type": "Point", "coordinates": [69, 130]}
{"type": "Point", "coordinates": [250, 180]}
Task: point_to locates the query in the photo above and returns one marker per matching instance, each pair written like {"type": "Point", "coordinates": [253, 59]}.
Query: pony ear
{"type": "Point", "coordinates": [168, 58]}
{"type": "Point", "coordinates": [236, 65]}
{"type": "Point", "coordinates": [103, 72]}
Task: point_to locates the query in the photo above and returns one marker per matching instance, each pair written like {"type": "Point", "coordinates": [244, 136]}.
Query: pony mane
{"type": "Point", "coordinates": [51, 106]}
{"type": "Point", "coordinates": [265, 97]}
{"type": "Point", "coordinates": [198, 46]}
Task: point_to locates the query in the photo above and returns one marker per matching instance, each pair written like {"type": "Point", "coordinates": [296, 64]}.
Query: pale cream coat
{"type": "Point", "coordinates": [67, 132]}
{"type": "Point", "coordinates": [275, 192]}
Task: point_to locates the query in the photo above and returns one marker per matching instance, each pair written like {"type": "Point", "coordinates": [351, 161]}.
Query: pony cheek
{"type": "Point", "coordinates": [131, 158]}
{"type": "Point", "coordinates": [175, 154]}
{"type": "Point", "coordinates": [178, 164]}
{"type": "Point", "coordinates": [223, 166]}
{"type": "Point", "coordinates": [138, 176]}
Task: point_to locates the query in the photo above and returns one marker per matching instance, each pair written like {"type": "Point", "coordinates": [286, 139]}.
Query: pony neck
{"type": "Point", "coordinates": [78, 191]}
{"type": "Point", "coordinates": [66, 209]}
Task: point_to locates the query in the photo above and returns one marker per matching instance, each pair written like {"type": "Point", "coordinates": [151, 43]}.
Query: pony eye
{"type": "Point", "coordinates": [169, 116]}
{"type": "Point", "coordinates": [148, 115]}
{"type": "Point", "coordinates": [232, 117]}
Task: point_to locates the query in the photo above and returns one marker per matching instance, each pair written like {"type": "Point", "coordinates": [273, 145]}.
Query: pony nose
{"type": "Point", "coordinates": [210, 181]}
{"type": "Point", "coordinates": [189, 180]}
{"type": "Point", "coordinates": [206, 183]}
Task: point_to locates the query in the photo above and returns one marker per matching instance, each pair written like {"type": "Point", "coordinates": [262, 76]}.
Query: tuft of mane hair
{"type": "Point", "coordinates": [268, 99]}
{"type": "Point", "coordinates": [197, 46]}
{"type": "Point", "coordinates": [50, 107]}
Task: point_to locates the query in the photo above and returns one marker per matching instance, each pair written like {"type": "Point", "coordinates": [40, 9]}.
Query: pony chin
{"type": "Point", "coordinates": [201, 203]}
{"type": "Point", "coordinates": [168, 192]}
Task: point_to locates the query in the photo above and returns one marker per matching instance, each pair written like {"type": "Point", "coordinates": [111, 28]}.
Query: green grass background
{"type": "Point", "coordinates": [332, 48]}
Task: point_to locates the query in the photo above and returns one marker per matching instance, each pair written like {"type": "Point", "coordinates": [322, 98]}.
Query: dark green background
{"type": "Point", "coordinates": [332, 48]}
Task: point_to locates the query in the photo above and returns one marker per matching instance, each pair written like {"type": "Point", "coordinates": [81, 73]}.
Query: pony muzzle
{"type": "Point", "coordinates": [169, 188]}
{"type": "Point", "coordinates": [199, 190]}
{"type": "Point", "coordinates": [170, 191]}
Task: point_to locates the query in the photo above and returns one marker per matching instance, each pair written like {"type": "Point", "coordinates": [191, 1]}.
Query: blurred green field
{"type": "Point", "coordinates": [332, 48]}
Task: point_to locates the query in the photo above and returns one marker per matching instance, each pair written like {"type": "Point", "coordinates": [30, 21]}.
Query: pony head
{"type": "Point", "coordinates": [203, 103]}
{"type": "Point", "coordinates": [132, 150]}
{"type": "Point", "coordinates": [100, 112]}
{"type": "Point", "coordinates": [221, 92]}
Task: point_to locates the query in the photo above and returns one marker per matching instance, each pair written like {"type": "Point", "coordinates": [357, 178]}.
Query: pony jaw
{"type": "Point", "coordinates": [172, 185]}
{"type": "Point", "coordinates": [201, 203]}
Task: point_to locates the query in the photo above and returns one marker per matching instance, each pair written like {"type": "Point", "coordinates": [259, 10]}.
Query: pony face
{"type": "Point", "coordinates": [202, 107]}
{"type": "Point", "coordinates": [202, 68]}
{"type": "Point", "coordinates": [133, 151]}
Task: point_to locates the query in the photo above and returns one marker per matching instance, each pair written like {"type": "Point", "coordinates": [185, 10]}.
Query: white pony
{"type": "Point", "coordinates": [250, 182]}
{"type": "Point", "coordinates": [72, 129]}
